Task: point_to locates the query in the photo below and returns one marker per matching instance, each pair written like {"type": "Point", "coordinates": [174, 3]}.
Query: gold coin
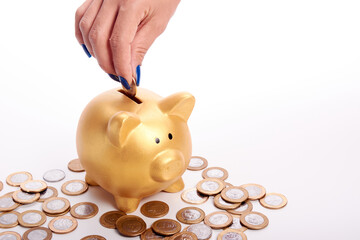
{"type": "Point", "coordinates": [75, 165]}
{"type": "Point", "coordinates": [255, 191]}
{"type": "Point", "coordinates": [37, 233]}
{"type": "Point", "coordinates": [197, 163]}
{"type": "Point", "coordinates": [166, 227]}
{"type": "Point", "coordinates": [236, 224]}
{"type": "Point", "coordinates": [231, 234]}
{"type": "Point", "coordinates": [184, 235]}
{"type": "Point", "coordinates": [1, 185]}
{"type": "Point", "coordinates": [33, 186]}
{"type": "Point", "coordinates": [244, 208]}
{"type": "Point", "coordinates": [7, 202]}
{"type": "Point", "coordinates": [219, 202]}
{"type": "Point", "coordinates": [9, 219]}
{"type": "Point", "coordinates": [190, 215]}
{"type": "Point", "coordinates": [215, 172]}
{"type": "Point", "coordinates": [274, 201]}
{"type": "Point", "coordinates": [56, 205]}
{"type": "Point", "coordinates": [154, 209]}
{"type": "Point", "coordinates": [74, 187]}
{"type": "Point", "coordinates": [63, 224]}
{"type": "Point", "coordinates": [219, 219]}
{"type": "Point", "coordinates": [10, 235]}
{"type": "Point", "coordinates": [109, 219]}
{"type": "Point", "coordinates": [254, 220]}
{"type": "Point", "coordinates": [201, 230]}
{"type": "Point", "coordinates": [32, 218]}
{"type": "Point", "coordinates": [84, 210]}
{"type": "Point", "coordinates": [130, 225]}
{"type": "Point", "coordinates": [149, 234]}
{"type": "Point", "coordinates": [50, 192]}
{"type": "Point", "coordinates": [93, 237]}
{"type": "Point", "coordinates": [210, 186]}
{"type": "Point", "coordinates": [192, 196]}
{"type": "Point", "coordinates": [25, 198]}
{"type": "Point", "coordinates": [15, 179]}
{"type": "Point", "coordinates": [235, 194]}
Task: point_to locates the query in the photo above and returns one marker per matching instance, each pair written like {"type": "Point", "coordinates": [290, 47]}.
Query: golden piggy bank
{"type": "Point", "coordinates": [135, 147]}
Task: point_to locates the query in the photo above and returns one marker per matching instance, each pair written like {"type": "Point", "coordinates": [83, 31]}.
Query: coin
{"type": "Point", "coordinates": [215, 172]}
{"type": "Point", "coordinates": [234, 194]}
{"type": "Point", "coordinates": [210, 186]}
{"type": "Point", "coordinates": [236, 224]}
{"type": "Point", "coordinates": [84, 210]}
{"type": "Point", "coordinates": [93, 237]}
{"type": "Point", "coordinates": [219, 219]}
{"type": "Point", "coordinates": [190, 215]}
{"type": "Point", "coordinates": [130, 225]}
{"type": "Point", "coordinates": [63, 224]}
{"type": "Point", "coordinates": [54, 175]}
{"type": "Point", "coordinates": [15, 179]}
{"type": "Point", "coordinates": [33, 186]}
{"type": "Point", "coordinates": [9, 235]}
{"type": "Point", "coordinates": [154, 209]}
{"type": "Point", "coordinates": [37, 233]}
{"type": "Point", "coordinates": [274, 201]}
{"type": "Point", "coordinates": [244, 208]}
{"type": "Point", "coordinates": [197, 163]}
{"type": "Point", "coordinates": [149, 234]}
{"type": "Point", "coordinates": [254, 220]}
{"type": "Point", "coordinates": [1, 185]}
{"type": "Point", "coordinates": [9, 219]}
{"type": "Point", "coordinates": [184, 236]}
{"type": "Point", "coordinates": [48, 193]}
{"type": "Point", "coordinates": [255, 191]}
{"type": "Point", "coordinates": [202, 231]}
{"type": "Point", "coordinates": [56, 205]}
{"type": "Point", "coordinates": [231, 234]}
{"type": "Point", "coordinates": [24, 197]}
{"type": "Point", "coordinates": [220, 203]}
{"type": "Point", "coordinates": [228, 184]}
{"type": "Point", "coordinates": [7, 202]}
{"type": "Point", "coordinates": [75, 166]}
{"type": "Point", "coordinates": [109, 219]}
{"type": "Point", "coordinates": [74, 187]}
{"type": "Point", "coordinates": [166, 227]}
{"type": "Point", "coordinates": [192, 196]}
{"type": "Point", "coordinates": [32, 218]}
{"type": "Point", "coordinates": [58, 214]}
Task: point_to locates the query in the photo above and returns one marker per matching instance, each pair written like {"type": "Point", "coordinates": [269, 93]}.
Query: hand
{"type": "Point", "coordinates": [118, 33]}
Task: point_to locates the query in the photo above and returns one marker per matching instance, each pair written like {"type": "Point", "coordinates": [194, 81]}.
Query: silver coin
{"type": "Point", "coordinates": [254, 219]}
{"type": "Point", "coordinates": [231, 236]}
{"type": "Point", "coordinates": [191, 214]}
{"type": "Point", "coordinates": [215, 173]}
{"type": "Point", "coordinates": [63, 224]}
{"type": "Point", "coordinates": [19, 178]}
{"type": "Point", "coordinates": [74, 187]}
{"type": "Point", "coordinates": [25, 196]}
{"type": "Point", "coordinates": [196, 162]}
{"type": "Point", "coordinates": [234, 193]}
{"type": "Point", "coordinates": [8, 218]}
{"type": "Point", "coordinates": [84, 209]}
{"type": "Point", "coordinates": [201, 230]}
{"type": "Point", "coordinates": [37, 234]}
{"type": "Point", "coordinates": [210, 186]}
{"type": "Point", "coordinates": [236, 223]}
{"type": "Point", "coordinates": [273, 200]}
{"type": "Point", "coordinates": [54, 175]}
{"type": "Point", "coordinates": [218, 219]}
{"type": "Point", "coordinates": [6, 202]}
{"type": "Point", "coordinates": [8, 236]}
{"type": "Point", "coordinates": [33, 185]}
{"type": "Point", "coordinates": [253, 190]}
{"type": "Point", "coordinates": [31, 218]}
{"type": "Point", "coordinates": [55, 204]}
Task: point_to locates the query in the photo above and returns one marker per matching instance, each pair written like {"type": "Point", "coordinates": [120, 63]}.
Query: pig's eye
{"type": "Point", "coordinates": [170, 136]}
{"type": "Point", "coordinates": [157, 140]}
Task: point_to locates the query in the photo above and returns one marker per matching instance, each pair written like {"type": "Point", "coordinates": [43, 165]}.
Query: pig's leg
{"type": "Point", "coordinates": [127, 204]}
{"type": "Point", "coordinates": [176, 186]}
{"type": "Point", "coordinates": [90, 181]}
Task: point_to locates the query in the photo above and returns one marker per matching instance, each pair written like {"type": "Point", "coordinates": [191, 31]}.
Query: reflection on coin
{"type": "Point", "coordinates": [210, 186]}
{"type": "Point", "coordinates": [74, 187]}
{"type": "Point", "coordinates": [154, 209]}
{"type": "Point", "coordinates": [24, 197]}
{"type": "Point", "coordinates": [75, 166]}
{"type": "Point", "coordinates": [220, 203]}
{"type": "Point", "coordinates": [56, 205]}
{"type": "Point", "coordinates": [215, 172]}
{"type": "Point", "coordinates": [84, 210]}
{"type": "Point", "coordinates": [255, 191]}
{"type": "Point", "coordinates": [130, 225]}
{"type": "Point", "coordinates": [234, 194]}
{"type": "Point", "coordinates": [244, 208]}
{"type": "Point", "coordinates": [109, 219]}
{"type": "Point", "coordinates": [48, 193]}
{"type": "Point", "coordinates": [231, 234]}
{"type": "Point", "coordinates": [202, 231]}
{"type": "Point", "coordinates": [192, 196]}
{"type": "Point", "coordinates": [219, 219]}
{"type": "Point", "coordinates": [190, 215]}
{"type": "Point", "coordinates": [7, 202]}
{"type": "Point", "coordinates": [9, 235]}
{"type": "Point", "coordinates": [31, 218]}
{"type": "Point", "coordinates": [54, 175]}
{"type": "Point", "coordinates": [33, 186]}
{"type": "Point", "coordinates": [63, 224]}
{"type": "Point", "coordinates": [184, 236]}
{"type": "Point", "coordinates": [1, 185]}
{"type": "Point", "coordinates": [197, 163]}
{"type": "Point", "coordinates": [236, 224]}
{"type": "Point", "coordinates": [93, 237]}
{"type": "Point", "coordinates": [37, 233]}
{"type": "Point", "coordinates": [274, 201]}
{"type": "Point", "coordinates": [15, 179]}
{"type": "Point", "coordinates": [149, 234]}
{"type": "Point", "coordinates": [254, 220]}
{"type": "Point", "coordinates": [166, 227]}
{"type": "Point", "coordinates": [9, 219]}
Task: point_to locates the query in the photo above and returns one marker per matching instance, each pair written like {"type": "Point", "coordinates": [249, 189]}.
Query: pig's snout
{"type": "Point", "coordinates": [167, 165]}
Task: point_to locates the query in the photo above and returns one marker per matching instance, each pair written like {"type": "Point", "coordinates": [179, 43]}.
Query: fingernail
{"type": "Point", "coordinates": [86, 50]}
{"type": "Point", "coordinates": [124, 82]}
{"type": "Point", "coordinates": [113, 77]}
{"type": "Point", "coordinates": [138, 74]}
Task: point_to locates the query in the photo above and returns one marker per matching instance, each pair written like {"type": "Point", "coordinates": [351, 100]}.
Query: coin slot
{"type": "Point", "coordinates": [134, 98]}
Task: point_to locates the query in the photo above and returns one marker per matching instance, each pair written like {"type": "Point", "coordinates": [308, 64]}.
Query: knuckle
{"type": "Point", "coordinates": [84, 23]}
{"type": "Point", "coordinates": [94, 35]}
{"type": "Point", "coordinates": [116, 41]}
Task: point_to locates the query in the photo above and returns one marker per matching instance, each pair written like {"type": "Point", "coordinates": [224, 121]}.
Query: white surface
{"type": "Point", "coordinates": [277, 85]}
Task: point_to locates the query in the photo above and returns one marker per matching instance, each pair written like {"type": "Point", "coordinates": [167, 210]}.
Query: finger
{"type": "Point", "coordinates": [78, 15]}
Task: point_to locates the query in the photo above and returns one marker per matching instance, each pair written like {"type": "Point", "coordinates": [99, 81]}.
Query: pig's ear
{"type": "Point", "coordinates": [179, 104]}
{"type": "Point", "coordinates": [120, 126]}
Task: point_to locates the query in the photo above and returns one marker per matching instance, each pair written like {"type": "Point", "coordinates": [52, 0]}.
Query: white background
{"type": "Point", "coordinates": [277, 85]}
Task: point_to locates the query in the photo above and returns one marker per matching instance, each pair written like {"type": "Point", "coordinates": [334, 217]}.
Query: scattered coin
{"type": "Point", "coordinates": [15, 179]}
{"type": "Point", "coordinates": [1, 185]}
{"type": "Point", "coordinates": [255, 191]}
{"type": "Point", "coordinates": [25, 198]}
{"type": "Point", "coordinates": [54, 175]}
{"type": "Point", "coordinates": [84, 210]}
{"type": "Point", "coordinates": [219, 219]}
{"type": "Point", "coordinates": [93, 237]}
{"type": "Point", "coordinates": [234, 194]}
{"type": "Point", "coordinates": [9, 219]}
{"type": "Point", "coordinates": [74, 187]}
{"type": "Point", "coordinates": [149, 234]}
{"type": "Point", "coordinates": [197, 163]}
{"type": "Point", "coordinates": [244, 208]}
{"type": "Point", "coordinates": [75, 166]}
{"type": "Point", "coordinates": [32, 218]}
{"type": "Point", "coordinates": [130, 225]}
{"type": "Point", "coordinates": [192, 196]}
{"type": "Point", "coordinates": [220, 203]}
{"type": "Point", "coordinates": [7, 202]}
{"type": "Point", "coordinates": [154, 209]}
{"type": "Point", "coordinates": [37, 233]}
{"type": "Point", "coordinates": [63, 224]}
{"type": "Point", "coordinates": [33, 186]}
{"type": "Point", "coordinates": [109, 219]}
{"type": "Point", "coordinates": [273, 201]}
{"type": "Point", "coordinates": [215, 172]}
{"type": "Point", "coordinates": [190, 215]}
{"type": "Point", "coordinates": [184, 236]}
{"type": "Point", "coordinates": [56, 205]}
{"type": "Point", "coordinates": [236, 224]}
{"type": "Point", "coordinates": [50, 192]}
{"type": "Point", "coordinates": [210, 186]}
{"type": "Point", "coordinates": [231, 234]}
{"type": "Point", "coordinates": [9, 235]}
{"type": "Point", "coordinates": [254, 220]}
{"type": "Point", "coordinates": [166, 227]}
{"type": "Point", "coordinates": [202, 231]}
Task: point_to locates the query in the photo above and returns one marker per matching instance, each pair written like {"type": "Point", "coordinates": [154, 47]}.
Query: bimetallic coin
{"type": "Point", "coordinates": [219, 219]}
{"type": "Point", "coordinates": [56, 205]}
{"type": "Point", "coordinates": [220, 203]}
{"type": "Point", "coordinates": [202, 231]}
{"type": "Point", "coordinates": [255, 191]}
{"type": "Point", "coordinates": [1, 185]}
{"type": "Point", "coordinates": [33, 186]}
{"type": "Point", "coordinates": [234, 194]}
{"type": "Point", "coordinates": [231, 234]}
{"type": "Point", "coordinates": [109, 219]}
{"type": "Point", "coordinates": [192, 196]}
{"type": "Point", "coordinates": [130, 225]}
{"type": "Point", "coordinates": [215, 172]}
{"type": "Point", "coordinates": [7, 203]}
{"type": "Point", "coordinates": [197, 163]}
{"type": "Point", "coordinates": [84, 210]}
{"type": "Point", "coordinates": [24, 197]}
{"type": "Point", "coordinates": [190, 215]}
{"type": "Point", "coordinates": [274, 201]}
{"type": "Point", "coordinates": [50, 192]}
{"type": "Point", "coordinates": [75, 166]}
{"type": "Point", "coordinates": [154, 209]}
{"type": "Point", "coordinates": [93, 237]}
{"type": "Point", "coordinates": [32, 218]}
{"type": "Point", "coordinates": [210, 186]}
{"type": "Point", "coordinates": [54, 175]}
{"type": "Point", "coordinates": [9, 235]}
{"type": "Point", "coordinates": [254, 220]}
{"type": "Point", "coordinates": [15, 179]}
{"type": "Point", "coordinates": [244, 208]}
{"type": "Point", "coordinates": [184, 236]}
{"type": "Point", "coordinates": [63, 224]}
{"type": "Point", "coordinates": [149, 234]}
{"type": "Point", "coordinates": [74, 187]}
{"type": "Point", "coordinates": [37, 233]}
{"type": "Point", "coordinates": [166, 227]}
{"type": "Point", "coordinates": [9, 219]}
{"type": "Point", "coordinates": [236, 224]}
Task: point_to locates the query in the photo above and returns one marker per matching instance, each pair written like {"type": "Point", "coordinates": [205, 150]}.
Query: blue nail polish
{"type": "Point", "coordinates": [138, 74]}
{"type": "Point", "coordinates": [113, 77]}
{"type": "Point", "coordinates": [124, 82]}
{"type": "Point", "coordinates": [86, 50]}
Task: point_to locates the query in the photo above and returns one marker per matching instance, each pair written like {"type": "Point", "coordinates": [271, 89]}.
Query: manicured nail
{"type": "Point", "coordinates": [124, 82]}
{"type": "Point", "coordinates": [138, 74]}
{"type": "Point", "coordinates": [113, 77]}
{"type": "Point", "coordinates": [86, 50]}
